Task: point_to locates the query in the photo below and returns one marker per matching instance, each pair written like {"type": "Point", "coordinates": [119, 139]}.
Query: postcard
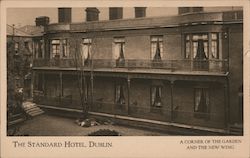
{"type": "Point", "coordinates": [125, 79]}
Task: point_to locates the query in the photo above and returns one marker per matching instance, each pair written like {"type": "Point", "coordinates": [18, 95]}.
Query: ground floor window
{"type": "Point", "coordinates": [201, 102]}
{"type": "Point", "coordinates": [119, 94]}
{"type": "Point", "coordinates": [156, 96]}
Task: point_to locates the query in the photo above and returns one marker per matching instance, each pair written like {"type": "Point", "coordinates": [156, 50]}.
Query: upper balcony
{"type": "Point", "coordinates": [201, 67]}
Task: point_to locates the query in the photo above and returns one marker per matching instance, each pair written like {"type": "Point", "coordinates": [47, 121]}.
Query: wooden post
{"type": "Point", "coordinates": [61, 88]}
{"type": "Point", "coordinates": [92, 89]}
{"type": "Point", "coordinates": [128, 104]}
{"type": "Point", "coordinates": [32, 83]}
{"type": "Point", "coordinates": [172, 101]}
{"type": "Point", "coordinates": [226, 105]}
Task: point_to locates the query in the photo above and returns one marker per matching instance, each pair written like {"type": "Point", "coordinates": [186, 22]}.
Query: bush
{"type": "Point", "coordinates": [104, 132]}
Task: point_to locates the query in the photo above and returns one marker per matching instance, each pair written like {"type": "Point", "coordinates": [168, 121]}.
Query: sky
{"type": "Point", "coordinates": [26, 16]}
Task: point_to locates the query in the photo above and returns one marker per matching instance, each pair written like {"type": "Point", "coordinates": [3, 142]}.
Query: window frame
{"type": "Point", "coordinates": [116, 97]}
{"type": "Point", "coordinates": [202, 114]}
{"type": "Point", "coordinates": [118, 42]}
{"type": "Point", "coordinates": [209, 41]}
{"type": "Point", "coordinates": [152, 103]}
{"type": "Point", "coordinates": [88, 43]}
{"type": "Point", "coordinates": [159, 38]}
{"type": "Point", "coordinates": [65, 47]}
{"type": "Point", "coordinates": [57, 48]}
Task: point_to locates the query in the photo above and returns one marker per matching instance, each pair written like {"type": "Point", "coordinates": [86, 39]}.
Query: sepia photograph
{"type": "Point", "coordinates": [125, 71]}
{"type": "Point", "coordinates": [142, 73]}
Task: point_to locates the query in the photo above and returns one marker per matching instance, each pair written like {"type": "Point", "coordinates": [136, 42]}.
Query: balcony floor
{"type": "Point", "coordinates": [143, 71]}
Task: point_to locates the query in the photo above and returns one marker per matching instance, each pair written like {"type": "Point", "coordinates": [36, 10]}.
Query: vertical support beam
{"type": "Point", "coordinates": [128, 105]}
{"type": "Point", "coordinates": [43, 82]}
{"type": "Point", "coordinates": [61, 85]}
{"type": "Point", "coordinates": [172, 100]}
{"type": "Point", "coordinates": [92, 89]}
{"type": "Point", "coordinates": [226, 105]}
{"type": "Point", "coordinates": [32, 83]}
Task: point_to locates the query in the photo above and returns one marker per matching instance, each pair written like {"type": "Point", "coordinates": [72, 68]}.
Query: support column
{"type": "Point", "coordinates": [92, 89]}
{"type": "Point", "coordinates": [172, 100]}
{"type": "Point", "coordinates": [128, 104]}
{"type": "Point", "coordinates": [61, 85]}
{"type": "Point", "coordinates": [226, 105]}
{"type": "Point", "coordinates": [43, 82]}
{"type": "Point", "coordinates": [32, 83]}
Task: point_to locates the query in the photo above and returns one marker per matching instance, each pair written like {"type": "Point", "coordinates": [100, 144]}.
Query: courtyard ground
{"type": "Point", "coordinates": [50, 125]}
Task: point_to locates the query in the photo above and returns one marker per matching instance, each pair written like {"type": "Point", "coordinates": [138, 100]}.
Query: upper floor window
{"type": "Point", "coordinates": [86, 49]}
{"type": "Point", "coordinates": [65, 51]}
{"type": "Point", "coordinates": [118, 51]}
{"type": "Point", "coordinates": [201, 46]}
{"type": "Point", "coordinates": [27, 46]}
{"type": "Point", "coordinates": [55, 44]}
{"type": "Point", "coordinates": [39, 48]}
{"type": "Point", "coordinates": [156, 47]}
{"type": "Point", "coordinates": [201, 102]}
{"type": "Point", "coordinates": [214, 46]}
{"type": "Point", "coordinates": [59, 48]}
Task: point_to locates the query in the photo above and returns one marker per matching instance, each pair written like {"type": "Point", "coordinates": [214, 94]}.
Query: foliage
{"type": "Point", "coordinates": [104, 132]}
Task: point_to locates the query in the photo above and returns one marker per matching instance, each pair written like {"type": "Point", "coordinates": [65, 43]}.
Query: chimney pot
{"type": "Point", "coordinates": [64, 15]}
{"type": "Point", "coordinates": [42, 21]}
{"type": "Point", "coordinates": [92, 14]}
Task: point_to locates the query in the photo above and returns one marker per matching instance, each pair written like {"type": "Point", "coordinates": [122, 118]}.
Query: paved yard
{"type": "Point", "coordinates": [49, 125]}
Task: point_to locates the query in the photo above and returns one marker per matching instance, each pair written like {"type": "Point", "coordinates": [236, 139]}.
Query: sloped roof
{"type": "Point", "coordinates": [16, 32]}
{"type": "Point", "coordinates": [25, 31]}
{"type": "Point", "coordinates": [33, 30]}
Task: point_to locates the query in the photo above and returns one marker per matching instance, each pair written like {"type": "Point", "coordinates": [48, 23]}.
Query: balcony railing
{"type": "Point", "coordinates": [179, 115]}
{"type": "Point", "coordinates": [216, 66]}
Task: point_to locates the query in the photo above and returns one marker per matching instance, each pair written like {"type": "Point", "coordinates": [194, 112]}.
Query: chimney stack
{"type": "Point", "coordinates": [185, 10]}
{"type": "Point", "coordinates": [92, 14]}
{"type": "Point", "coordinates": [115, 13]}
{"type": "Point", "coordinates": [64, 15]}
{"type": "Point", "coordinates": [42, 21]}
{"type": "Point", "coordinates": [140, 12]}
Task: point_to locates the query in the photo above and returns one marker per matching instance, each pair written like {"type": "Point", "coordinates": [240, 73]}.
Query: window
{"type": "Point", "coordinates": [200, 46]}
{"type": "Point", "coordinates": [55, 44]}
{"type": "Point", "coordinates": [156, 47]}
{"type": "Point", "coordinates": [86, 49]}
{"type": "Point", "coordinates": [187, 47]}
{"type": "Point", "coordinates": [16, 46]}
{"type": "Point", "coordinates": [27, 46]}
{"type": "Point", "coordinates": [214, 46]}
{"type": "Point", "coordinates": [197, 46]}
{"type": "Point", "coordinates": [65, 51]}
{"type": "Point", "coordinates": [201, 102]}
{"type": "Point", "coordinates": [119, 94]}
{"type": "Point", "coordinates": [118, 51]}
{"type": "Point", "coordinates": [39, 48]}
{"type": "Point", "coordinates": [156, 96]}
